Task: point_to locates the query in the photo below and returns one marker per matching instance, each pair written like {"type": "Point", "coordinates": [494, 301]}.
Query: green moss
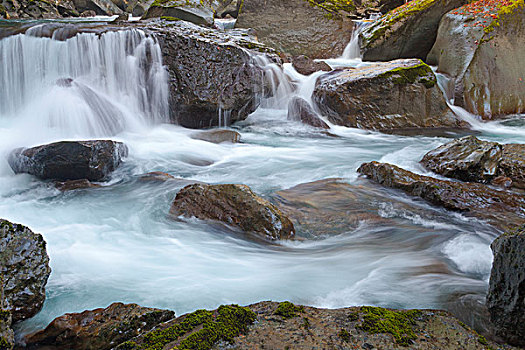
{"type": "Point", "coordinates": [482, 340]}
{"type": "Point", "coordinates": [353, 316]}
{"type": "Point", "coordinates": [225, 324]}
{"type": "Point", "coordinates": [502, 15]}
{"type": "Point", "coordinates": [420, 73]}
{"type": "Point", "coordinates": [333, 7]}
{"type": "Point", "coordinates": [4, 315]}
{"type": "Point", "coordinates": [397, 323]}
{"type": "Point", "coordinates": [344, 335]}
{"type": "Point", "coordinates": [169, 18]}
{"type": "Point", "coordinates": [4, 344]}
{"type": "Point", "coordinates": [288, 310]}
{"type": "Point", "coordinates": [3, 11]}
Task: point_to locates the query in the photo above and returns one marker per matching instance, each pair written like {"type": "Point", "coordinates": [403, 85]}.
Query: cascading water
{"type": "Point", "coordinates": [89, 85]}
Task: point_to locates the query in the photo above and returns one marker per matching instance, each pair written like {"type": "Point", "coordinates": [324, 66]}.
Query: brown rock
{"type": "Point", "coordinates": [307, 66]}
{"type": "Point", "coordinates": [157, 176]}
{"type": "Point", "coordinates": [300, 110]}
{"type": "Point", "coordinates": [234, 205]}
{"type": "Point", "coordinates": [217, 136]}
{"type": "Point", "coordinates": [75, 185]}
{"type": "Point", "coordinates": [98, 329]}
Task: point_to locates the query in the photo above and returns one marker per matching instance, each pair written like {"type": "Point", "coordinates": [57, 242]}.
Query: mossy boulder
{"type": "Point", "coordinates": [502, 209]}
{"type": "Point", "coordinates": [407, 31]}
{"type": "Point", "coordinates": [506, 295]}
{"type": "Point", "coordinates": [391, 96]}
{"type": "Point", "coordinates": [24, 270]}
{"type": "Point", "coordinates": [196, 11]}
{"type": "Point", "coordinates": [470, 159]}
{"type": "Point", "coordinates": [98, 329]}
{"type": "Point", "coordinates": [234, 205]}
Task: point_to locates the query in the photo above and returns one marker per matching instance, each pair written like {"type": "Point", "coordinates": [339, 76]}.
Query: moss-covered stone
{"type": "Point", "coordinates": [288, 310]}
{"type": "Point", "coordinates": [397, 323]}
{"type": "Point", "coordinates": [420, 73]}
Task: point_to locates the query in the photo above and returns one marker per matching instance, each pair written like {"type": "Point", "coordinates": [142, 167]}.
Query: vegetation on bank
{"type": "Point", "coordinates": [288, 310]}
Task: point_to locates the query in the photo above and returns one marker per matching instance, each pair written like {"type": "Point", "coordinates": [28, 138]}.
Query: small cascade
{"type": "Point", "coordinates": [86, 85]}
{"type": "Point", "coordinates": [352, 50]}
{"type": "Point", "coordinates": [278, 88]}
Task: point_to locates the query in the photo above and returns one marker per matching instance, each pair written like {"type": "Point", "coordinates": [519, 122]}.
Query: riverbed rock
{"type": "Point", "coordinates": [300, 110]}
{"type": "Point", "coordinates": [502, 209]}
{"type": "Point", "coordinates": [296, 27]}
{"type": "Point", "coordinates": [214, 77]}
{"type": "Point", "coordinates": [98, 329]}
{"type": "Point", "coordinates": [69, 160]}
{"type": "Point", "coordinates": [71, 185]}
{"type": "Point", "coordinates": [24, 267]}
{"type": "Point", "coordinates": [407, 31]}
{"type": "Point", "coordinates": [234, 205]}
{"type": "Point", "coordinates": [390, 96]}
{"type": "Point", "coordinates": [470, 159]}
{"type": "Point", "coordinates": [506, 295]}
{"type": "Point", "coordinates": [306, 66]}
{"type": "Point", "coordinates": [217, 136]}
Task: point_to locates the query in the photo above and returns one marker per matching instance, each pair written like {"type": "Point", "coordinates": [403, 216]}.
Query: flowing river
{"type": "Point", "coordinates": [116, 243]}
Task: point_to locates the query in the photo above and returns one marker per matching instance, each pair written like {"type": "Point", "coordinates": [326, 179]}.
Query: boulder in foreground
{"type": "Point", "coordinates": [24, 270]}
{"type": "Point", "coordinates": [506, 296]}
{"type": "Point", "coordinates": [391, 96]}
{"type": "Point", "coordinates": [503, 209]}
{"type": "Point", "coordinates": [234, 205]}
{"type": "Point", "coordinates": [69, 160]}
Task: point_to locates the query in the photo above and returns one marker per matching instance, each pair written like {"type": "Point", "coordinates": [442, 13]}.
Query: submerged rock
{"type": "Point", "coordinates": [234, 205]}
{"type": "Point", "coordinates": [157, 176]}
{"type": "Point", "coordinates": [69, 160]}
{"type": "Point", "coordinates": [218, 136]}
{"type": "Point", "coordinates": [307, 66]}
{"type": "Point", "coordinates": [24, 270]}
{"type": "Point", "coordinates": [391, 96]}
{"type": "Point", "coordinates": [296, 27]}
{"type": "Point", "coordinates": [75, 185]}
{"type": "Point", "coordinates": [503, 209]}
{"type": "Point", "coordinates": [300, 110]}
{"type": "Point", "coordinates": [407, 31]}
{"type": "Point", "coordinates": [506, 295]}
{"type": "Point", "coordinates": [195, 11]}
{"type": "Point", "coordinates": [98, 329]}
{"type": "Point", "coordinates": [470, 159]}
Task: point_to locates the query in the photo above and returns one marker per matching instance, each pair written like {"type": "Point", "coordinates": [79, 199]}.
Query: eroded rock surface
{"type": "Point", "coordinates": [234, 205]}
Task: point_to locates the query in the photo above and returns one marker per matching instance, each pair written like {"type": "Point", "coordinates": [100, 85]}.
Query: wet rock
{"type": "Point", "coordinates": [157, 176]}
{"type": "Point", "coordinates": [37, 9]}
{"type": "Point", "coordinates": [470, 159]}
{"type": "Point", "coordinates": [98, 329]}
{"type": "Point", "coordinates": [296, 27]}
{"type": "Point", "coordinates": [406, 32]}
{"type": "Point", "coordinates": [88, 13]}
{"type": "Point", "coordinates": [24, 270]}
{"type": "Point", "coordinates": [75, 185]}
{"type": "Point", "coordinates": [307, 66]}
{"type": "Point", "coordinates": [300, 110]}
{"type": "Point", "coordinates": [195, 11]}
{"type": "Point", "coordinates": [69, 160]}
{"type": "Point", "coordinates": [7, 336]}
{"type": "Point", "coordinates": [392, 96]}
{"type": "Point", "coordinates": [506, 295]}
{"type": "Point", "coordinates": [214, 79]}
{"type": "Point", "coordinates": [100, 7]}
{"type": "Point", "coordinates": [217, 136]}
{"type": "Point", "coordinates": [469, 48]}
{"type": "Point", "coordinates": [503, 209]}
{"type": "Point", "coordinates": [234, 205]}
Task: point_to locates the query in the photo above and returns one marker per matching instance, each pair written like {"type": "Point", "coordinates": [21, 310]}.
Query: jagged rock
{"type": "Point", "coordinates": [506, 295]}
{"type": "Point", "coordinates": [234, 205]}
{"type": "Point", "coordinates": [98, 329]}
{"type": "Point", "coordinates": [24, 270]}
{"type": "Point", "coordinates": [307, 66]}
{"type": "Point", "coordinates": [300, 110]}
{"type": "Point", "coordinates": [470, 159]}
{"type": "Point", "coordinates": [217, 136]}
{"type": "Point", "coordinates": [390, 96]}
{"type": "Point", "coordinates": [296, 27]}
{"type": "Point", "coordinates": [405, 32]}
{"type": "Point", "coordinates": [469, 47]}
{"type": "Point", "coordinates": [503, 209]}
{"type": "Point", "coordinates": [195, 11]}
{"type": "Point", "coordinates": [69, 160]}
{"type": "Point", "coordinates": [75, 185]}
{"type": "Point", "coordinates": [214, 80]}
{"type": "Point", "coordinates": [7, 336]}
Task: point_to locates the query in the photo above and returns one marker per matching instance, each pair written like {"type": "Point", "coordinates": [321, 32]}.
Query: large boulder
{"type": "Point", "coordinates": [214, 78]}
{"type": "Point", "coordinates": [506, 295]}
{"type": "Point", "coordinates": [297, 27]}
{"type": "Point", "coordinates": [503, 209]}
{"type": "Point", "coordinates": [37, 9]}
{"type": "Point", "coordinates": [24, 270]}
{"type": "Point", "coordinates": [300, 110]}
{"type": "Point", "coordinates": [389, 96]}
{"type": "Point", "coordinates": [234, 205]}
{"type": "Point", "coordinates": [98, 329]}
{"type": "Point", "coordinates": [407, 31]}
{"type": "Point", "coordinates": [69, 160]}
{"type": "Point", "coordinates": [195, 11]}
{"type": "Point", "coordinates": [470, 159]}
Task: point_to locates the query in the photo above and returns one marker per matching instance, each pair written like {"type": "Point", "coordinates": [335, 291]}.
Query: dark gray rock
{"type": "Point", "coordinates": [307, 66]}
{"type": "Point", "coordinates": [195, 11]}
{"type": "Point", "coordinates": [69, 160]}
{"type": "Point", "coordinates": [506, 295]}
{"type": "Point", "coordinates": [300, 110]}
{"type": "Point", "coordinates": [24, 269]}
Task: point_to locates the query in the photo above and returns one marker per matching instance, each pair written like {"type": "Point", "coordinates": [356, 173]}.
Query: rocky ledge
{"type": "Point", "coordinates": [392, 96]}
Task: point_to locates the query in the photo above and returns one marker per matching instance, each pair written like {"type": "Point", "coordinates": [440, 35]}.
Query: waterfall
{"type": "Point", "coordinates": [91, 84]}
{"type": "Point", "coordinates": [352, 50]}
